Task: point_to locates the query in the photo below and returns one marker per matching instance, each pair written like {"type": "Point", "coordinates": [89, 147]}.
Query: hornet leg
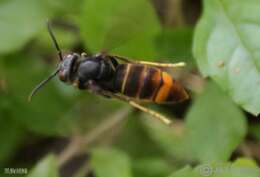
{"type": "Point", "coordinates": [155, 114]}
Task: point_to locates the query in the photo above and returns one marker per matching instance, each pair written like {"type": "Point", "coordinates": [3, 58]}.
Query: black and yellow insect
{"type": "Point", "coordinates": [147, 83]}
{"type": "Point", "coordinates": [119, 77]}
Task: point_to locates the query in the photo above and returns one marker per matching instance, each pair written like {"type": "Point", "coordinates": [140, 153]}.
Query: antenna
{"type": "Point", "coordinates": [54, 40]}
{"type": "Point", "coordinates": [41, 84]}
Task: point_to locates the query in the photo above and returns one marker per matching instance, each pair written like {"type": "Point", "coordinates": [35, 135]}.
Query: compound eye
{"type": "Point", "coordinates": [64, 69]}
{"type": "Point", "coordinates": [68, 68]}
{"type": "Point", "coordinates": [66, 63]}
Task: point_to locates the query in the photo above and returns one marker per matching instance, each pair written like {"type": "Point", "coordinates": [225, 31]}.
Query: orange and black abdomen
{"type": "Point", "coordinates": [147, 83]}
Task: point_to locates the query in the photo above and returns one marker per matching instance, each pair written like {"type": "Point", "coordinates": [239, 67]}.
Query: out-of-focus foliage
{"type": "Point", "coordinates": [239, 168]}
{"type": "Point", "coordinates": [204, 129]}
{"type": "Point", "coordinates": [210, 130]}
{"type": "Point", "coordinates": [27, 113]}
{"type": "Point", "coordinates": [226, 47]}
{"type": "Point", "coordinates": [18, 25]}
{"type": "Point", "coordinates": [205, 138]}
{"type": "Point", "coordinates": [152, 167]}
{"type": "Point", "coordinates": [47, 167]}
{"type": "Point", "coordinates": [14, 137]}
{"type": "Point", "coordinates": [121, 29]}
{"type": "Point", "coordinates": [174, 45]}
{"type": "Point", "coordinates": [101, 163]}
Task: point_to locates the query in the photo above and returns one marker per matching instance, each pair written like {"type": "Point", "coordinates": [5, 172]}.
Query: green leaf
{"type": "Point", "coordinates": [212, 120]}
{"type": "Point", "coordinates": [18, 25]}
{"type": "Point", "coordinates": [92, 110]}
{"type": "Point", "coordinates": [169, 140]}
{"type": "Point", "coordinates": [244, 162]}
{"type": "Point", "coordinates": [151, 167]}
{"type": "Point", "coordinates": [68, 7]}
{"type": "Point", "coordinates": [45, 114]}
{"type": "Point", "coordinates": [215, 126]}
{"type": "Point", "coordinates": [45, 168]}
{"type": "Point", "coordinates": [141, 143]}
{"type": "Point", "coordinates": [106, 25]}
{"type": "Point", "coordinates": [226, 48]}
{"type": "Point", "coordinates": [243, 166]}
{"type": "Point", "coordinates": [175, 44]}
{"type": "Point", "coordinates": [66, 39]}
{"type": "Point", "coordinates": [236, 169]}
{"type": "Point", "coordinates": [185, 172]}
{"type": "Point", "coordinates": [11, 134]}
{"type": "Point", "coordinates": [110, 163]}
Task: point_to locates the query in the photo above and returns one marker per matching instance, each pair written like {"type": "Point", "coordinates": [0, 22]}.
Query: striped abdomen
{"type": "Point", "coordinates": [147, 83]}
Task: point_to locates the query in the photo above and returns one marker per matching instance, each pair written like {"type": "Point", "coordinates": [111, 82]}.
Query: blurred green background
{"type": "Point", "coordinates": [66, 132]}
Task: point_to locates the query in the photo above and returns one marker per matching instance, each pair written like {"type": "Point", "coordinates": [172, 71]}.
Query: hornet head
{"type": "Point", "coordinates": [66, 69]}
